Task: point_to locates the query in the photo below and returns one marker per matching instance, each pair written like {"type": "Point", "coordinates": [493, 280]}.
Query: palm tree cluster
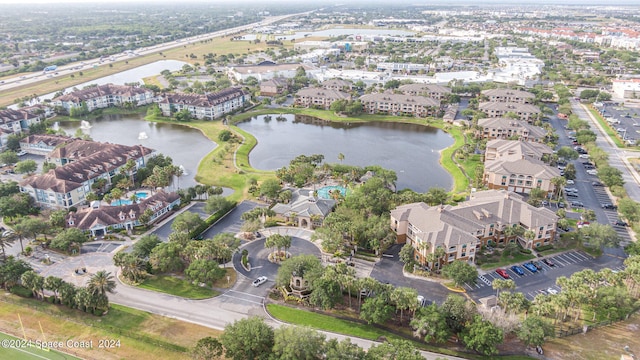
{"type": "Point", "coordinates": [92, 298]}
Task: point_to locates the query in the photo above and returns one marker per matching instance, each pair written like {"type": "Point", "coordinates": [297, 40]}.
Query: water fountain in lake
{"type": "Point", "coordinates": [85, 125]}
{"type": "Point", "coordinates": [142, 135]}
{"type": "Point", "coordinates": [184, 171]}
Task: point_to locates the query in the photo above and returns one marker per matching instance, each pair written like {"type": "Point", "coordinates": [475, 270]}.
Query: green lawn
{"type": "Point", "coordinates": [516, 258]}
{"type": "Point", "coordinates": [178, 287]}
{"type": "Point", "coordinates": [607, 128]}
{"type": "Point", "coordinates": [28, 352]}
{"type": "Point", "coordinates": [351, 328]}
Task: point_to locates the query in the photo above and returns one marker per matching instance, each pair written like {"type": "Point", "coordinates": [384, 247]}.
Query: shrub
{"type": "Point", "coordinates": [525, 251]}
{"type": "Point", "coordinates": [270, 223]}
{"type": "Point", "coordinates": [21, 291]}
{"type": "Point", "coordinates": [544, 247]}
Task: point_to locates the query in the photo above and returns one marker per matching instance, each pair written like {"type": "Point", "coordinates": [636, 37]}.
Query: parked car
{"type": "Point", "coordinates": [259, 281]}
{"type": "Point", "coordinates": [552, 291]}
{"type": "Point", "coordinates": [609, 206]}
{"type": "Point", "coordinates": [577, 204]}
{"type": "Point", "coordinates": [620, 223]}
{"type": "Point", "coordinates": [581, 224]}
{"type": "Point", "coordinates": [596, 183]}
{"type": "Point", "coordinates": [421, 300]}
{"type": "Point", "coordinates": [518, 270]}
{"type": "Point", "coordinates": [592, 172]}
{"type": "Point", "coordinates": [503, 273]}
{"type": "Point", "coordinates": [570, 182]}
{"type": "Point", "coordinates": [570, 189]}
{"type": "Point", "coordinates": [548, 262]}
{"type": "Point", "coordinates": [21, 153]}
{"type": "Point", "coordinates": [561, 205]}
{"type": "Point", "coordinates": [537, 265]}
{"type": "Point", "coordinates": [530, 267]}
{"type": "Point", "coordinates": [572, 194]}
{"type": "Point", "coordinates": [584, 156]}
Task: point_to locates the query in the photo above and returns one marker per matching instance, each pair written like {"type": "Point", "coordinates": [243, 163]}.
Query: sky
{"type": "Point", "coordinates": [329, 2]}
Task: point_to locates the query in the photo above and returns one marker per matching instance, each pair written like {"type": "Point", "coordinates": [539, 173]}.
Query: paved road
{"type": "Point", "coordinates": [615, 155]}
{"type": "Point", "coordinates": [389, 269]}
{"type": "Point", "coordinates": [231, 222]}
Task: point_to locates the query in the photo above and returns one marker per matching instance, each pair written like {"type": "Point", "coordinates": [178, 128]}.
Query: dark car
{"type": "Point", "coordinates": [537, 265]}
{"type": "Point", "coordinates": [609, 206]}
{"type": "Point", "coordinates": [561, 205]}
{"type": "Point", "coordinates": [517, 269]}
{"type": "Point", "coordinates": [596, 183]}
{"type": "Point", "coordinates": [548, 262]}
{"type": "Point", "coordinates": [620, 223]}
{"type": "Point", "coordinates": [577, 204]}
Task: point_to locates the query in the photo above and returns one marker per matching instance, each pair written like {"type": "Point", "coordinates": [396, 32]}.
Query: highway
{"type": "Point", "coordinates": [72, 68]}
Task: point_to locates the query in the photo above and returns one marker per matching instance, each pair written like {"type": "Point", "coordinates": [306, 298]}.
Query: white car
{"type": "Point", "coordinates": [259, 281]}
{"type": "Point", "coordinates": [21, 153]}
{"type": "Point", "coordinates": [571, 182]}
{"type": "Point", "coordinates": [592, 172]}
{"type": "Point", "coordinates": [584, 156]}
{"type": "Point", "coordinates": [552, 291]}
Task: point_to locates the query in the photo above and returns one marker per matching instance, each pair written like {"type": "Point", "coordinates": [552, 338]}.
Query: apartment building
{"type": "Point", "coordinates": [205, 106]}
{"type": "Point", "coordinates": [400, 104]}
{"type": "Point", "coordinates": [460, 230]}
{"type": "Point", "coordinates": [525, 112]}
{"type": "Point", "coordinates": [319, 97]}
{"type": "Point", "coordinates": [104, 96]}
{"type": "Point", "coordinates": [505, 128]}
{"type": "Point", "coordinates": [433, 91]}
{"type": "Point", "coordinates": [518, 166]}
{"type": "Point", "coordinates": [79, 165]}
{"type": "Point", "coordinates": [508, 95]}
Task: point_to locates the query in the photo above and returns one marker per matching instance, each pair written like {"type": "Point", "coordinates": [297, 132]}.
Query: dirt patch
{"type": "Point", "coordinates": [603, 343]}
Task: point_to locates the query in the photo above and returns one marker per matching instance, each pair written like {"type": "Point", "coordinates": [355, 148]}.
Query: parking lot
{"type": "Point", "coordinates": [533, 283]}
{"type": "Point", "coordinates": [626, 121]}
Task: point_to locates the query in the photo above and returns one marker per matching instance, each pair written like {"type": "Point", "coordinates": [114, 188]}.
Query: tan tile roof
{"type": "Point", "coordinates": [509, 106]}
{"type": "Point", "coordinates": [323, 93]}
{"type": "Point", "coordinates": [400, 99]}
{"type": "Point", "coordinates": [527, 167]}
{"type": "Point", "coordinates": [206, 101]}
{"type": "Point", "coordinates": [49, 140]}
{"type": "Point", "coordinates": [427, 88]}
{"type": "Point", "coordinates": [513, 125]}
{"type": "Point", "coordinates": [507, 93]}
{"type": "Point", "coordinates": [515, 149]}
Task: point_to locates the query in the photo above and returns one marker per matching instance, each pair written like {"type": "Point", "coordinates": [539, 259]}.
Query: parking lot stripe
{"type": "Point", "coordinates": [581, 256]}
{"type": "Point", "coordinates": [558, 261]}
{"type": "Point", "coordinates": [573, 256]}
{"type": "Point", "coordinates": [565, 259]}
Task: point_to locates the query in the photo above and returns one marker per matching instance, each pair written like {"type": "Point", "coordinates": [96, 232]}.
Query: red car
{"type": "Point", "coordinates": [503, 273]}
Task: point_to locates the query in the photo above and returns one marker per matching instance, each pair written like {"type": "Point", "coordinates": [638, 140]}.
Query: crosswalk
{"type": "Point", "coordinates": [558, 261]}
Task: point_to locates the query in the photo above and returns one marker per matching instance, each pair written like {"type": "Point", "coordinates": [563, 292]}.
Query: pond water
{"type": "Point", "coordinates": [186, 146]}
{"type": "Point", "coordinates": [411, 150]}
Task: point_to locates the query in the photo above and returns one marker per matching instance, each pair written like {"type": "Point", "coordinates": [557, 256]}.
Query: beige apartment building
{"type": "Point", "coordinates": [460, 230]}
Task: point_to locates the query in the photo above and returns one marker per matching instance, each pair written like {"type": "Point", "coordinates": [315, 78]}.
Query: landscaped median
{"type": "Point", "coordinates": [359, 329]}
{"type": "Point", "coordinates": [179, 287]}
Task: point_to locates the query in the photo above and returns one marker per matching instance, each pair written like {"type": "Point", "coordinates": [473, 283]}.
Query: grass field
{"type": "Point", "coordinates": [178, 287]}
{"type": "Point", "coordinates": [27, 352]}
{"type": "Point", "coordinates": [142, 335]}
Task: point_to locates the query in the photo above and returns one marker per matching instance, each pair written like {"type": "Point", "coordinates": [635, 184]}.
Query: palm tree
{"type": "Point", "coordinates": [341, 157]}
{"type": "Point", "coordinates": [559, 182]}
{"type": "Point", "coordinates": [53, 283]}
{"type": "Point", "coordinates": [67, 294]}
{"type": "Point", "coordinates": [20, 232]}
{"type": "Point", "coordinates": [101, 283]}
{"type": "Point", "coordinates": [32, 281]}
{"type": "Point", "coordinates": [499, 284]}
{"type": "Point", "coordinates": [6, 239]}
{"type": "Point", "coordinates": [422, 248]}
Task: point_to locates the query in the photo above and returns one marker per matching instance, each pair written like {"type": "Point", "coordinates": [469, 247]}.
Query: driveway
{"type": "Point", "coordinates": [389, 270]}
{"type": "Point", "coordinates": [232, 222]}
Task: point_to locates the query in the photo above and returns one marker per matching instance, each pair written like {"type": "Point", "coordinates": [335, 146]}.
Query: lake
{"type": "Point", "coordinates": [186, 146]}
{"type": "Point", "coordinates": [411, 150]}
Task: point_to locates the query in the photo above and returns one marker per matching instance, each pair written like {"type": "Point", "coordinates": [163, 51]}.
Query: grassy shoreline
{"type": "Point", "coordinates": [238, 174]}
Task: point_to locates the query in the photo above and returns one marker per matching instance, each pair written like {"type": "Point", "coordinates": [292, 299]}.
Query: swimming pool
{"type": "Point", "coordinates": [325, 192]}
{"type": "Point", "coordinates": [140, 195]}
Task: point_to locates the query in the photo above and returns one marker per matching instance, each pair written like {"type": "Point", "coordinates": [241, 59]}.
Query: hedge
{"type": "Point", "coordinates": [211, 220]}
